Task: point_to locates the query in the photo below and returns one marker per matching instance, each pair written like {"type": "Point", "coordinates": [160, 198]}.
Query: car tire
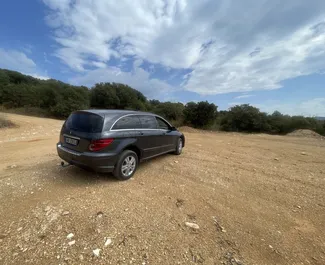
{"type": "Point", "coordinates": [126, 165]}
{"type": "Point", "coordinates": [179, 146]}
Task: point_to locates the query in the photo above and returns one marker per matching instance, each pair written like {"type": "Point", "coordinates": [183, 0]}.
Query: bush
{"type": "Point", "coordinates": [5, 123]}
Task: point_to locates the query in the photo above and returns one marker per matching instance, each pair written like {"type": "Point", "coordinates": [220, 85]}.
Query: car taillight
{"type": "Point", "coordinates": [96, 145]}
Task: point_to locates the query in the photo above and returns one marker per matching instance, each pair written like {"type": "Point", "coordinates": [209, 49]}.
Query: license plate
{"type": "Point", "coordinates": [71, 141]}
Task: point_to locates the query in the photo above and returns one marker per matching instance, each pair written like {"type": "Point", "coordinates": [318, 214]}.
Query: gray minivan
{"type": "Point", "coordinates": [116, 140]}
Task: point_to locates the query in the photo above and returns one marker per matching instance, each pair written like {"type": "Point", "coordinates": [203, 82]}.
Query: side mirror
{"type": "Point", "coordinates": [173, 128]}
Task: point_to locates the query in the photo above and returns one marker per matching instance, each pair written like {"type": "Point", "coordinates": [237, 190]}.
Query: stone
{"type": "Point", "coordinates": [72, 243]}
{"type": "Point", "coordinates": [192, 225]}
{"type": "Point", "coordinates": [108, 242]}
{"type": "Point", "coordinates": [70, 236]}
{"type": "Point", "coordinates": [96, 252]}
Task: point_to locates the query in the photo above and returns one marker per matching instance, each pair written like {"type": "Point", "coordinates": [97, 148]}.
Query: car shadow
{"type": "Point", "coordinates": [73, 175]}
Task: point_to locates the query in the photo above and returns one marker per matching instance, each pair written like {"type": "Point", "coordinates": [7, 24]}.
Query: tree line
{"type": "Point", "coordinates": [58, 99]}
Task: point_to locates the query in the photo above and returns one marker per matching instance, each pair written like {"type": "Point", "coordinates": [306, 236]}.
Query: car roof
{"type": "Point", "coordinates": [112, 115]}
{"type": "Point", "coordinates": [114, 112]}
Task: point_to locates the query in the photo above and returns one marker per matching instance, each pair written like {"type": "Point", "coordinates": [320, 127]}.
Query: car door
{"type": "Point", "coordinates": [168, 138]}
{"type": "Point", "coordinates": [149, 137]}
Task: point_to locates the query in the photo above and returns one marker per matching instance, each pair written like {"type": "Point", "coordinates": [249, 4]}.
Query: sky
{"type": "Point", "coordinates": [267, 53]}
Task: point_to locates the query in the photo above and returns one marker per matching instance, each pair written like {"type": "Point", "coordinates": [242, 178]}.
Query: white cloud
{"type": "Point", "coordinates": [18, 61]}
{"type": "Point", "coordinates": [15, 60]}
{"type": "Point", "coordinates": [311, 107]}
{"type": "Point", "coordinates": [231, 46]}
{"type": "Point", "coordinates": [244, 96]}
{"type": "Point", "coordinates": [138, 79]}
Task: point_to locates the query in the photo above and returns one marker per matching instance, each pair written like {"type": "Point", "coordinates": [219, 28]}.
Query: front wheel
{"type": "Point", "coordinates": [179, 147]}
{"type": "Point", "coordinates": [126, 165]}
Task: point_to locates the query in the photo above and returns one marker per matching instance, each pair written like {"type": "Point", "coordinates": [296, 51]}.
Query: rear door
{"type": "Point", "coordinates": [168, 138]}
{"type": "Point", "coordinates": [149, 138]}
{"type": "Point", "coordinates": [125, 127]}
{"type": "Point", "coordinates": [79, 129]}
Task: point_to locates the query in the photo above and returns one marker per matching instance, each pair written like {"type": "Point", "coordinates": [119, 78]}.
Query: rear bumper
{"type": "Point", "coordinates": [99, 162]}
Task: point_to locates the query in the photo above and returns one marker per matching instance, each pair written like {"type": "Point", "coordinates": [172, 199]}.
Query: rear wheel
{"type": "Point", "coordinates": [179, 147]}
{"type": "Point", "coordinates": [126, 165]}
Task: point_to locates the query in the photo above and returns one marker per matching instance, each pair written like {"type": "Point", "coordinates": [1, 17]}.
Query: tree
{"type": "Point", "coordinates": [201, 114]}
{"type": "Point", "coordinates": [116, 96]}
{"type": "Point", "coordinates": [245, 118]}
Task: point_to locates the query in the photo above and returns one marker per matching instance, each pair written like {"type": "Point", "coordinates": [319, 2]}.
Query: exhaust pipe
{"type": "Point", "coordinates": [65, 164]}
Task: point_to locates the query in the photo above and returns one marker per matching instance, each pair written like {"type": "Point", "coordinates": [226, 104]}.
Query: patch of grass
{"type": "Point", "coordinates": [28, 111]}
{"type": "Point", "coordinates": [5, 123]}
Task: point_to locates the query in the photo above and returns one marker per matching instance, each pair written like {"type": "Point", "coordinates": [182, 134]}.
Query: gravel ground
{"type": "Point", "coordinates": [228, 199]}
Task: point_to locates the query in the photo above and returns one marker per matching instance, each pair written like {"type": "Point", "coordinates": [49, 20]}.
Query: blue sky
{"type": "Point", "coordinates": [268, 53]}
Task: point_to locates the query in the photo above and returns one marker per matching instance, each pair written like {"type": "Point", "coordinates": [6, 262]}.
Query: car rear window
{"type": "Point", "coordinates": [85, 122]}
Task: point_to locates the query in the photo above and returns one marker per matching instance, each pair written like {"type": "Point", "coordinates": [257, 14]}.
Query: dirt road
{"type": "Point", "coordinates": [257, 199]}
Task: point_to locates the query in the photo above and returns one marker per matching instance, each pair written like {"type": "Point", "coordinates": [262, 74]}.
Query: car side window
{"type": "Point", "coordinates": [128, 122]}
{"type": "Point", "coordinates": [148, 122]}
{"type": "Point", "coordinates": [162, 124]}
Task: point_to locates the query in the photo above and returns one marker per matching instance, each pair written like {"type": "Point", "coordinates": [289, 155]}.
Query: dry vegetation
{"type": "Point", "coordinates": [257, 199]}
{"type": "Point", "coordinates": [5, 123]}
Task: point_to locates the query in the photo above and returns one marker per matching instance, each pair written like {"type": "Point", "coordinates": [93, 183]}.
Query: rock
{"type": "Point", "coordinates": [192, 225]}
{"type": "Point", "coordinates": [19, 229]}
{"type": "Point", "coordinates": [303, 153]}
{"type": "Point", "coordinates": [72, 243]}
{"type": "Point", "coordinates": [70, 236]}
{"type": "Point", "coordinates": [81, 257]}
{"type": "Point", "coordinates": [179, 203]}
{"type": "Point", "coordinates": [96, 252]}
{"type": "Point", "coordinates": [65, 213]}
{"type": "Point", "coordinates": [175, 161]}
{"type": "Point", "coordinates": [13, 166]}
{"type": "Point", "coordinates": [47, 208]}
{"type": "Point", "coordinates": [271, 247]}
{"type": "Point", "coordinates": [276, 159]}
{"type": "Point", "coordinates": [298, 206]}
{"type": "Point", "coordinates": [100, 214]}
{"type": "Point", "coordinates": [108, 242]}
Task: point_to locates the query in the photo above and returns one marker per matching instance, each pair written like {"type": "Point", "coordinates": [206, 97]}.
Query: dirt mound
{"type": "Point", "coordinates": [305, 133]}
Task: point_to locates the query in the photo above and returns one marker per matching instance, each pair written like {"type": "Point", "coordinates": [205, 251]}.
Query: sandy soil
{"type": "Point", "coordinates": [257, 199]}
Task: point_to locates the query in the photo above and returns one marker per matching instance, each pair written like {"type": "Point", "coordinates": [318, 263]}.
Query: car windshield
{"type": "Point", "coordinates": [85, 122]}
